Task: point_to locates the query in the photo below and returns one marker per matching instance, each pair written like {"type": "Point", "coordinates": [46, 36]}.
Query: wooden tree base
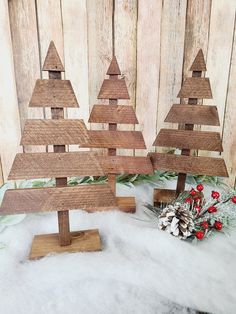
{"type": "Point", "coordinates": [126, 204]}
{"type": "Point", "coordinates": [163, 196]}
{"type": "Point", "coordinates": [81, 241]}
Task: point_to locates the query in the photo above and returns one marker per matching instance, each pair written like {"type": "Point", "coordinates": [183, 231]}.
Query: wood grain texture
{"type": "Point", "coordinates": [163, 196]}
{"type": "Point", "coordinates": [23, 22]}
{"type": "Point", "coordinates": [115, 139]}
{"type": "Point", "coordinates": [52, 61]}
{"type": "Point", "coordinates": [229, 130]}
{"type": "Point", "coordinates": [113, 89]}
{"type": "Point", "coordinates": [53, 93]}
{"type": "Point", "coordinates": [75, 26]}
{"type": "Point", "coordinates": [199, 62]}
{"type": "Point", "coordinates": [54, 132]}
{"type": "Point", "coordinates": [148, 49]}
{"type": "Point", "coordinates": [125, 49]}
{"type": "Point", "coordinates": [81, 241]}
{"type": "Point", "coordinates": [93, 197]}
{"type": "Point", "coordinates": [126, 204]}
{"type": "Point", "coordinates": [55, 165]}
{"type": "Point", "coordinates": [198, 114]}
{"type": "Point", "coordinates": [173, 20]}
{"type": "Point", "coordinates": [126, 164]}
{"type": "Point", "coordinates": [99, 17]}
{"type": "Point", "coordinates": [185, 139]}
{"type": "Point", "coordinates": [10, 131]}
{"type": "Point", "coordinates": [113, 114]}
{"type": "Point", "coordinates": [113, 67]}
{"type": "Point", "coordinates": [196, 87]}
{"type": "Point", "coordinates": [189, 164]}
{"type": "Point", "coordinates": [221, 29]}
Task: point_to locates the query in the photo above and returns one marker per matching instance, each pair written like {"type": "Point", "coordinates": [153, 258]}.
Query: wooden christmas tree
{"type": "Point", "coordinates": [193, 88]}
{"type": "Point", "coordinates": [57, 94]}
{"type": "Point", "coordinates": [113, 89]}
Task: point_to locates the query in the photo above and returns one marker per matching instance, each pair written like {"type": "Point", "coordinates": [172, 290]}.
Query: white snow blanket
{"type": "Point", "coordinates": [141, 269]}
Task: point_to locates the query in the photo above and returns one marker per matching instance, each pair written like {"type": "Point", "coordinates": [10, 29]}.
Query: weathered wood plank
{"type": "Point", "coordinates": [196, 87]}
{"type": "Point", "coordinates": [75, 35]}
{"type": "Point", "coordinates": [88, 197]}
{"type": "Point", "coordinates": [125, 49]}
{"type": "Point", "coordinates": [53, 61]}
{"type": "Point", "coordinates": [229, 130]}
{"type": "Point", "coordinates": [185, 139]}
{"type": "Point", "coordinates": [81, 241]}
{"type": "Point", "coordinates": [113, 114]}
{"type": "Point", "coordinates": [148, 49]}
{"type": "Point", "coordinates": [125, 164]}
{"type": "Point", "coordinates": [198, 114]}
{"type": "Point", "coordinates": [55, 165]}
{"type": "Point", "coordinates": [10, 131]}
{"type": "Point", "coordinates": [113, 89]}
{"type": "Point", "coordinates": [189, 164]}
{"type": "Point", "coordinates": [54, 132]}
{"type": "Point", "coordinates": [221, 30]}
{"type": "Point", "coordinates": [23, 22]}
{"type": "Point", "coordinates": [173, 22]}
{"type": "Point", "coordinates": [53, 93]}
{"type": "Point", "coordinates": [115, 139]}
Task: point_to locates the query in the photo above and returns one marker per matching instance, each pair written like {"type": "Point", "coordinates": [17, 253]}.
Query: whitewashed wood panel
{"type": "Point", "coordinates": [148, 68]}
{"type": "Point", "coordinates": [229, 127]}
{"type": "Point", "coordinates": [125, 39]}
{"type": "Point", "coordinates": [26, 57]}
{"type": "Point", "coordinates": [171, 60]}
{"type": "Point", "coordinates": [9, 113]}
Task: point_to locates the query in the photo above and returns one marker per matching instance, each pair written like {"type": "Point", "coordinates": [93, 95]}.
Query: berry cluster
{"type": "Point", "coordinates": [196, 200]}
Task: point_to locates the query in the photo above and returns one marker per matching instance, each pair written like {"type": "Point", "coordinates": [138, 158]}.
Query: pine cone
{"type": "Point", "coordinates": [177, 220]}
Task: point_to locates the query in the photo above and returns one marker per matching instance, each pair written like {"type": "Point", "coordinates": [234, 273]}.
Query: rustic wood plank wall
{"type": "Point", "coordinates": [154, 41]}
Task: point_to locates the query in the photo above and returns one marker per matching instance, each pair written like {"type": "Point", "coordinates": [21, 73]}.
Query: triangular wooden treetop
{"type": "Point", "coordinates": [193, 88]}
{"type": "Point", "coordinates": [59, 132]}
{"type": "Point", "coordinates": [52, 61]}
{"type": "Point", "coordinates": [111, 113]}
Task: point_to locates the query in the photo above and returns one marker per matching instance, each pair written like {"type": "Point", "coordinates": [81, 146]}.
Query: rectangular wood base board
{"type": "Point", "coordinates": [81, 241]}
{"type": "Point", "coordinates": [163, 196]}
{"type": "Point", "coordinates": [126, 204]}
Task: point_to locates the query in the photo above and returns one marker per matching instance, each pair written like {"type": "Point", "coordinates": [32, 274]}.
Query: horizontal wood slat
{"type": "Point", "coordinates": [53, 93]}
{"type": "Point", "coordinates": [113, 114]}
{"type": "Point", "coordinates": [55, 165]}
{"type": "Point", "coordinates": [197, 114]}
{"type": "Point", "coordinates": [189, 164]}
{"type": "Point", "coordinates": [115, 139]}
{"type": "Point", "coordinates": [126, 164]}
{"type": "Point", "coordinates": [196, 87]}
{"type": "Point", "coordinates": [54, 132]}
{"type": "Point", "coordinates": [88, 197]}
{"type": "Point", "coordinates": [113, 89]}
{"type": "Point", "coordinates": [201, 140]}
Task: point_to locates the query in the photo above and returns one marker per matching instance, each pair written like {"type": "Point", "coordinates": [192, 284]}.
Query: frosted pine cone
{"type": "Point", "coordinates": [177, 220]}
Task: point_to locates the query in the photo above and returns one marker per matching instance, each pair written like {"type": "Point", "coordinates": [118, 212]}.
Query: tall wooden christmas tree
{"type": "Point", "coordinates": [113, 89]}
{"type": "Point", "coordinates": [190, 114]}
{"type": "Point", "coordinates": [57, 94]}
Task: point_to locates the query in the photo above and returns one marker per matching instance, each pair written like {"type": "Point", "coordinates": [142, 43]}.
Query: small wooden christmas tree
{"type": "Point", "coordinates": [113, 89]}
{"type": "Point", "coordinates": [194, 88]}
{"type": "Point", "coordinates": [57, 94]}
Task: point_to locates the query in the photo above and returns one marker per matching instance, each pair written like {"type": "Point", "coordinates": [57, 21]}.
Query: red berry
{"type": "Point", "coordinates": [197, 200]}
{"type": "Point", "coordinates": [198, 208]}
{"type": "Point", "coordinates": [200, 187]}
{"type": "Point", "coordinates": [218, 225]}
{"type": "Point", "coordinates": [193, 192]}
{"type": "Point", "coordinates": [215, 194]}
{"type": "Point", "coordinates": [188, 200]}
{"type": "Point", "coordinates": [233, 199]}
{"type": "Point", "coordinates": [205, 225]}
{"type": "Point", "coordinates": [199, 235]}
{"type": "Point", "coordinates": [212, 209]}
